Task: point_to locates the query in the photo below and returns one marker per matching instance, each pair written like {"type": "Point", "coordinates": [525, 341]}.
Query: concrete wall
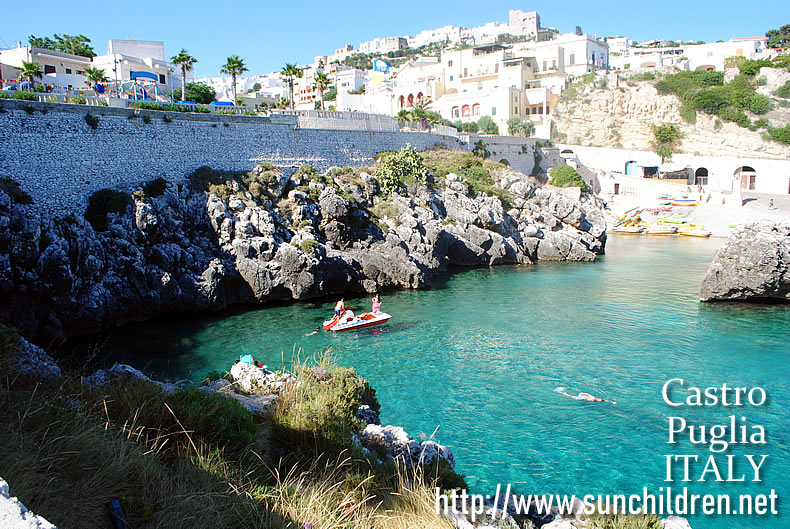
{"type": "Point", "coordinates": [773, 176]}
{"type": "Point", "coordinates": [60, 160]}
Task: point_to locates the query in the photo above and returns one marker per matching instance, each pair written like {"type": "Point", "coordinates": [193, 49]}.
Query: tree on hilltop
{"type": "Point", "coordinates": [291, 72]}
{"type": "Point", "coordinates": [73, 44]}
{"type": "Point", "coordinates": [779, 38]}
{"type": "Point", "coordinates": [185, 61]}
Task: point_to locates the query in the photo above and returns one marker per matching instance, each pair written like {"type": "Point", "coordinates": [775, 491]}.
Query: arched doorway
{"type": "Point", "coordinates": [747, 177]}
{"type": "Point", "coordinates": [401, 101]}
{"type": "Point", "coordinates": [410, 100]}
{"type": "Point", "coordinates": [706, 67]}
{"type": "Point", "coordinates": [630, 168]}
{"type": "Point", "coordinates": [504, 161]}
{"type": "Point", "coordinates": [701, 176]}
{"type": "Point", "coordinates": [466, 111]}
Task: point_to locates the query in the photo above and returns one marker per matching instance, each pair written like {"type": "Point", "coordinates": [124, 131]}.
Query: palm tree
{"type": "Point", "coordinates": [30, 71]}
{"type": "Point", "coordinates": [234, 66]}
{"type": "Point", "coordinates": [93, 76]}
{"type": "Point", "coordinates": [185, 60]}
{"type": "Point", "coordinates": [290, 72]}
{"type": "Point", "coordinates": [282, 103]}
{"type": "Point", "coordinates": [321, 83]}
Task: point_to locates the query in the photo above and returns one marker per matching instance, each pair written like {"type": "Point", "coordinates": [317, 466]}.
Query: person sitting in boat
{"type": "Point", "coordinates": [583, 396]}
{"type": "Point", "coordinates": [340, 307]}
{"type": "Point", "coordinates": [376, 304]}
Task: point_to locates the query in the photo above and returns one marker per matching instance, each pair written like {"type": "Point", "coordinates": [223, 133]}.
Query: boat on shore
{"type": "Point", "coordinates": [632, 230]}
{"type": "Point", "coordinates": [660, 229]}
{"type": "Point", "coordinates": [684, 202]}
{"type": "Point", "coordinates": [348, 321]}
{"type": "Point", "coordinates": [695, 232]}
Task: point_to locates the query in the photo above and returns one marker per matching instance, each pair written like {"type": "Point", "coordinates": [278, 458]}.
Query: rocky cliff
{"type": "Point", "coordinates": [754, 264]}
{"type": "Point", "coordinates": [621, 115]}
{"type": "Point", "coordinates": [187, 250]}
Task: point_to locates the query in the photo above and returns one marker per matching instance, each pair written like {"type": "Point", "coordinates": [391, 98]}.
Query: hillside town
{"type": "Point", "coordinates": [512, 71]}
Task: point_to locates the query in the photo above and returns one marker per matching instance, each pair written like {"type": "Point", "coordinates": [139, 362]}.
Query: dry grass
{"type": "Point", "coordinates": [69, 450]}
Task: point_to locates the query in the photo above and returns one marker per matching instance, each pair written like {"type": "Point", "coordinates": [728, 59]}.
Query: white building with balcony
{"type": "Point", "coordinates": [61, 70]}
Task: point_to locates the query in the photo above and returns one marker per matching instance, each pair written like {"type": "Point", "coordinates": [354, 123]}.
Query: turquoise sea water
{"type": "Point", "coordinates": [480, 357]}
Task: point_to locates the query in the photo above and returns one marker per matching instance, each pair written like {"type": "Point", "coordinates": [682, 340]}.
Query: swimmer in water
{"type": "Point", "coordinates": [583, 396]}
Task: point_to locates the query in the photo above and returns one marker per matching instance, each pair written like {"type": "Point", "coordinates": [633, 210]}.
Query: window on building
{"type": "Point", "coordinates": [48, 68]}
{"type": "Point", "coordinates": [493, 111]}
{"type": "Point", "coordinates": [466, 73]}
{"type": "Point", "coordinates": [544, 66]}
{"type": "Point", "coordinates": [80, 72]}
{"type": "Point", "coordinates": [554, 64]}
{"type": "Point", "coordinates": [162, 78]}
{"type": "Point", "coordinates": [68, 70]}
{"type": "Point", "coordinates": [572, 58]}
{"type": "Point", "coordinates": [449, 63]}
{"type": "Point", "coordinates": [540, 110]}
{"type": "Point", "coordinates": [466, 111]}
{"type": "Point", "coordinates": [496, 68]}
{"type": "Point", "coordinates": [456, 112]}
{"type": "Point", "coordinates": [451, 77]}
{"type": "Point", "coordinates": [480, 86]}
{"type": "Point", "coordinates": [476, 110]}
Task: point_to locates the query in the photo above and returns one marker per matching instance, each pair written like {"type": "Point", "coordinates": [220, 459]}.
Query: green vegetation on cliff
{"type": "Point", "coordinates": [566, 176]}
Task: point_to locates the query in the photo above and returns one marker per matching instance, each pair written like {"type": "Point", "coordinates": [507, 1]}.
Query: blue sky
{"type": "Point", "coordinates": [269, 34]}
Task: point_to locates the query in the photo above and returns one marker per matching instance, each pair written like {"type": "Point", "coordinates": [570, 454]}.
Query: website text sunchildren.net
{"type": "Point", "coordinates": [666, 502]}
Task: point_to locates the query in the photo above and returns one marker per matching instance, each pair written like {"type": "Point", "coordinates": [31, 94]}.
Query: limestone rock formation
{"type": "Point", "coordinates": [398, 445]}
{"type": "Point", "coordinates": [124, 373]}
{"type": "Point", "coordinates": [253, 403]}
{"type": "Point", "coordinates": [33, 361]}
{"type": "Point", "coordinates": [754, 264]}
{"type": "Point", "coordinates": [187, 251]}
{"type": "Point", "coordinates": [621, 115]}
{"type": "Point", "coordinates": [14, 515]}
{"type": "Point", "coordinates": [254, 379]}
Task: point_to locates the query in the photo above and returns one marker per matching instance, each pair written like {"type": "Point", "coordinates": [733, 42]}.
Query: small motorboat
{"type": "Point", "coordinates": [694, 232]}
{"type": "Point", "coordinates": [633, 230]}
{"type": "Point", "coordinates": [660, 229]}
{"type": "Point", "coordinates": [348, 321]}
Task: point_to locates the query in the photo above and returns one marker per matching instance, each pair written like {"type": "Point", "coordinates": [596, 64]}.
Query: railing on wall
{"type": "Point", "coordinates": [344, 120]}
{"type": "Point", "coordinates": [71, 98]}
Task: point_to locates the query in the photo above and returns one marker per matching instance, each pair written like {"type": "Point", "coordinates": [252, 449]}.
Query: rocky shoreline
{"type": "Point", "coordinates": [293, 237]}
{"type": "Point", "coordinates": [753, 265]}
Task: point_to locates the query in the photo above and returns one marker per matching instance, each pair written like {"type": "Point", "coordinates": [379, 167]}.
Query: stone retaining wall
{"type": "Point", "coordinates": [61, 160]}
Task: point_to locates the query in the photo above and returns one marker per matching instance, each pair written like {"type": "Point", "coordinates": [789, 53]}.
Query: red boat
{"type": "Point", "coordinates": [349, 321]}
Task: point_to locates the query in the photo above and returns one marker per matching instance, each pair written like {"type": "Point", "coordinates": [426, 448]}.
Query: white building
{"type": "Point", "coordinates": [569, 54]}
{"type": "Point", "coordinates": [525, 23]}
{"type": "Point", "coordinates": [451, 34]}
{"type": "Point", "coordinates": [712, 56]}
{"type": "Point", "coordinates": [129, 59]}
{"type": "Point", "coordinates": [61, 70]}
{"type": "Point", "coordinates": [383, 45]}
{"type": "Point", "coordinates": [486, 34]}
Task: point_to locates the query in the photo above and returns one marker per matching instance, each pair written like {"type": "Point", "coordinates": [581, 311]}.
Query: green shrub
{"type": "Point", "coordinates": [762, 123]}
{"type": "Point", "coordinates": [487, 125]}
{"type": "Point", "coordinates": [155, 188]}
{"type": "Point", "coordinates": [29, 109]}
{"type": "Point", "coordinates": [102, 202]}
{"type": "Point", "coordinates": [688, 113]}
{"type": "Point", "coordinates": [205, 176]}
{"type": "Point", "coordinates": [146, 119]}
{"type": "Point", "coordinates": [147, 105]}
{"type": "Point", "coordinates": [92, 121]}
{"type": "Point", "coordinates": [167, 119]}
{"type": "Point", "coordinates": [752, 67]}
{"type": "Point", "coordinates": [736, 116]}
{"type": "Point", "coordinates": [9, 340]}
{"type": "Point", "coordinates": [646, 76]}
{"type": "Point", "coordinates": [308, 245]}
{"type": "Point", "coordinates": [202, 109]}
{"type": "Point", "coordinates": [783, 91]}
{"type": "Point", "coordinates": [103, 103]}
{"type": "Point", "coordinates": [760, 104]}
{"type": "Point", "coordinates": [782, 135]}
{"type": "Point", "coordinates": [666, 139]}
{"type": "Point", "coordinates": [566, 176]}
{"type": "Point", "coordinates": [12, 189]}
{"type": "Point", "coordinates": [711, 100]}
{"type": "Point", "coordinates": [398, 168]}
{"type": "Point", "coordinates": [480, 150]}
{"type": "Point", "coordinates": [78, 100]}
{"type": "Point", "coordinates": [25, 95]}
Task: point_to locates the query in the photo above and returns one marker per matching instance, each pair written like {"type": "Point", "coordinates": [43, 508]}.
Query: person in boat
{"type": "Point", "coordinates": [376, 304]}
{"type": "Point", "coordinates": [340, 307]}
{"type": "Point", "coordinates": [583, 396]}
